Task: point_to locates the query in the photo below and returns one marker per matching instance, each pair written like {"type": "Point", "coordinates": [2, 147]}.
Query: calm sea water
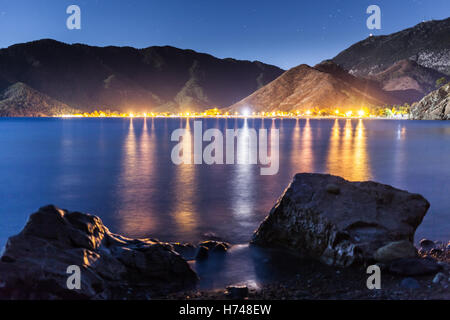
{"type": "Point", "coordinates": [120, 170]}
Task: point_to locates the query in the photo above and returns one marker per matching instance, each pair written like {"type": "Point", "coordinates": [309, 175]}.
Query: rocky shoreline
{"type": "Point", "coordinates": [316, 281]}
{"type": "Point", "coordinates": [337, 229]}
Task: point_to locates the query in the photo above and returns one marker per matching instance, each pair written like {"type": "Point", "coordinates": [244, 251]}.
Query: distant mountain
{"type": "Point", "coordinates": [325, 86]}
{"type": "Point", "coordinates": [427, 43]}
{"type": "Point", "coordinates": [129, 79]}
{"type": "Point", "coordinates": [435, 106]}
{"type": "Point", "coordinates": [21, 100]}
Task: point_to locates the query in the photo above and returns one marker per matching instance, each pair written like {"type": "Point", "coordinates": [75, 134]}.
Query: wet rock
{"type": "Point", "coordinates": [395, 250]}
{"type": "Point", "coordinates": [220, 248]}
{"type": "Point", "coordinates": [344, 229]}
{"type": "Point", "coordinates": [410, 283]}
{"type": "Point", "coordinates": [53, 239]}
{"type": "Point", "coordinates": [211, 244]}
{"type": "Point", "coordinates": [202, 253]}
{"type": "Point", "coordinates": [186, 250]}
{"type": "Point", "coordinates": [414, 266]}
{"type": "Point", "coordinates": [215, 246]}
{"type": "Point", "coordinates": [237, 292]}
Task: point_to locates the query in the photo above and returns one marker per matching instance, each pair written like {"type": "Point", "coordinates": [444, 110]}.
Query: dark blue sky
{"type": "Point", "coordinates": [284, 33]}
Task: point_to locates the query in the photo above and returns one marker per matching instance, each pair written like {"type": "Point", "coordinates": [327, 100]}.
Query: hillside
{"type": "Point", "coordinates": [326, 86]}
{"type": "Point", "coordinates": [406, 76]}
{"type": "Point", "coordinates": [427, 43]}
{"type": "Point", "coordinates": [125, 78]}
{"type": "Point", "coordinates": [21, 100]}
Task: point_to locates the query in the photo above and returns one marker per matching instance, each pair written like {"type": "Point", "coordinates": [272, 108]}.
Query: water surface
{"type": "Point", "coordinates": [120, 170]}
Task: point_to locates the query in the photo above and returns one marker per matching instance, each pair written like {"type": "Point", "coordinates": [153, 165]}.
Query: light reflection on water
{"type": "Point", "coordinates": [135, 180]}
{"type": "Point", "coordinates": [184, 213]}
{"type": "Point", "coordinates": [120, 169]}
{"type": "Point", "coordinates": [242, 180]}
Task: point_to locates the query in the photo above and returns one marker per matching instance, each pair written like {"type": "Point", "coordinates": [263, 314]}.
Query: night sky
{"type": "Point", "coordinates": [283, 33]}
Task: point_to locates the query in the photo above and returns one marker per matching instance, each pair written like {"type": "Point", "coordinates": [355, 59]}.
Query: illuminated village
{"type": "Point", "coordinates": [397, 112]}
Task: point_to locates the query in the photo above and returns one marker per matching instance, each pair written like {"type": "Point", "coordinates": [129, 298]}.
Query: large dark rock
{"type": "Point", "coordinates": [35, 261]}
{"type": "Point", "coordinates": [435, 106]}
{"type": "Point", "coordinates": [341, 225]}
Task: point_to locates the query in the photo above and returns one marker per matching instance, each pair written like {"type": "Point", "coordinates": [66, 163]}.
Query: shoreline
{"type": "Point", "coordinates": [224, 117]}
{"type": "Point", "coordinates": [316, 281]}
{"type": "Point", "coordinates": [278, 273]}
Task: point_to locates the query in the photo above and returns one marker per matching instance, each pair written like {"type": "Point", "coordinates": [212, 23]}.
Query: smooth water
{"type": "Point", "coordinates": [121, 170]}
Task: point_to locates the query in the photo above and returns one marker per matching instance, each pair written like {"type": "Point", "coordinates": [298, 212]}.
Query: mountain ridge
{"type": "Point", "coordinates": [19, 99]}
{"type": "Point", "coordinates": [128, 79]}
{"type": "Point", "coordinates": [427, 43]}
{"type": "Point", "coordinates": [324, 86]}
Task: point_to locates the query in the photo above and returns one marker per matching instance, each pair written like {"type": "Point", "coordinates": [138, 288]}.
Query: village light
{"type": "Point", "coordinates": [246, 112]}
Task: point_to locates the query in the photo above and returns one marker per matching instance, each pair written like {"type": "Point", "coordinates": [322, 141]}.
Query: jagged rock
{"type": "Point", "coordinates": [434, 106]}
{"type": "Point", "coordinates": [35, 262]}
{"type": "Point", "coordinates": [340, 229]}
{"type": "Point", "coordinates": [186, 250]}
{"type": "Point", "coordinates": [395, 250]}
{"type": "Point", "coordinates": [414, 267]}
{"type": "Point", "coordinates": [215, 246]}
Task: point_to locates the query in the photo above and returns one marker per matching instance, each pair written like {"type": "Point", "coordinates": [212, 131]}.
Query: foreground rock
{"type": "Point", "coordinates": [395, 250]}
{"type": "Point", "coordinates": [341, 222]}
{"type": "Point", "coordinates": [435, 106]}
{"type": "Point", "coordinates": [35, 261]}
{"type": "Point", "coordinates": [202, 250]}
